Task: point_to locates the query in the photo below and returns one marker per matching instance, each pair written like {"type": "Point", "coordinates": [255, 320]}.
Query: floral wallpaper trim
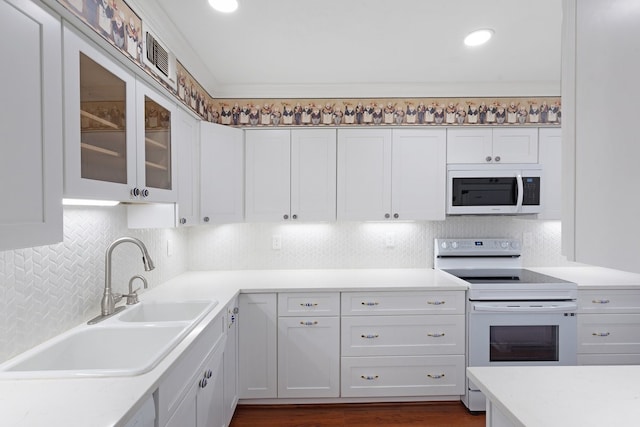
{"type": "Point", "coordinates": [117, 23]}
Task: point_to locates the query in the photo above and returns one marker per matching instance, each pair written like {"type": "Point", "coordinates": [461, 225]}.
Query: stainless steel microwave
{"type": "Point", "coordinates": [494, 189]}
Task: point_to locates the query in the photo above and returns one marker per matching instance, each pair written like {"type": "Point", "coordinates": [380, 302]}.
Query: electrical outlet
{"type": "Point", "coordinates": [390, 240]}
{"type": "Point", "coordinates": [276, 242]}
{"type": "Point", "coordinates": [169, 247]}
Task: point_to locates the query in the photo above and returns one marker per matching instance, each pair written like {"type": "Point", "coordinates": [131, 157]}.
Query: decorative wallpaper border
{"type": "Point", "coordinates": [117, 23]}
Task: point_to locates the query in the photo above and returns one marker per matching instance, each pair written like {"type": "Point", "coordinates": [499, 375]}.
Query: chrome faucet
{"type": "Point", "coordinates": [108, 301]}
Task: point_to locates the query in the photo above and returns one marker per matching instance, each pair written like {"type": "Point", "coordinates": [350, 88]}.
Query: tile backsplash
{"type": "Point", "coordinates": [49, 289]}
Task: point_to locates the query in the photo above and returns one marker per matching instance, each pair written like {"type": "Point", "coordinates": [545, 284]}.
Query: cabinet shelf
{"type": "Point", "coordinates": [100, 120]}
{"type": "Point", "coordinates": [156, 166]}
{"type": "Point", "coordinates": [155, 143]}
{"type": "Point", "coordinates": [100, 150]}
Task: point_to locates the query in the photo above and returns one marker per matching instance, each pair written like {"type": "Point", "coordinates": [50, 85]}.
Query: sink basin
{"type": "Point", "coordinates": [154, 312]}
{"type": "Point", "coordinates": [97, 351]}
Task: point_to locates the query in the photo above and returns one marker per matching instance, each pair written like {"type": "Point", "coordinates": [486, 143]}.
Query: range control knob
{"type": "Point", "coordinates": [504, 245]}
{"type": "Point", "coordinates": [454, 245]}
{"type": "Point", "coordinates": [444, 245]}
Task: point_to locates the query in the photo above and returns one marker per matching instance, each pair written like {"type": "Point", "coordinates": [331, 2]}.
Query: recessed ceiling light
{"type": "Point", "coordinates": [478, 37]}
{"type": "Point", "coordinates": [226, 6]}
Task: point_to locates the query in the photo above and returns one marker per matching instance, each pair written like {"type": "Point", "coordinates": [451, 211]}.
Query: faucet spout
{"type": "Point", "coordinates": [108, 303]}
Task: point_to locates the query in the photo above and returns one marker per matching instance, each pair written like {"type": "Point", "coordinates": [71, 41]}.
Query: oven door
{"type": "Point", "coordinates": [522, 333]}
{"type": "Point", "coordinates": [493, 191]}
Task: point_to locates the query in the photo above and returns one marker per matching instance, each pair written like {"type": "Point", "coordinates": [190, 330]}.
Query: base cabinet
{"type": "Point", "coordinates": [258, 364]}
{"type": "Point", "coordinates": [230, 363]}
{"type": "Point", "coordinates": [609, 327]}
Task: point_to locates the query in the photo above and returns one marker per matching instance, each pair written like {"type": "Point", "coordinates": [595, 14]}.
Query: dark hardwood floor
{"type": "Point", "coordinates": [430, 414]}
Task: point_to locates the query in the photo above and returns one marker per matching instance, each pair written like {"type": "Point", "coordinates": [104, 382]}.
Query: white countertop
{"type": "Point", "coordinates": [105, 402]}
{"type": "Point", "coordinates": [561, 396]}
{"type": "Point", "coordinates": [588, 277]}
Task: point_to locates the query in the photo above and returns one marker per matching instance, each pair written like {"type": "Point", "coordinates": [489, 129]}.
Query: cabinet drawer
{"type": "Point", "coordinates": [402, 335]}
{"type": "Point", "coordinates": [403, 376]}
{"type": "Point", "coordinates": [609, 333]}
{"type": "Point", "coordinates": [309, 303]}
{"type": "Point", "coordinates": [421, 302]}
{"type": "Point", "coordinates": [609, 301]}
{"type": "Point", "coordinates": [181, 375]}
{"type": "Point", "coordinates": [609, 359]}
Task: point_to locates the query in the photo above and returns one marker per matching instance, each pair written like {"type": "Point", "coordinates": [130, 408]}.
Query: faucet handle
{"type": "Point", "coordinates": [117, 297]}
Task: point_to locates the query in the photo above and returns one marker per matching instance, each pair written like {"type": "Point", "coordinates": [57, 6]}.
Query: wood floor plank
{"type": "Point", "coordinates": [430, 414]}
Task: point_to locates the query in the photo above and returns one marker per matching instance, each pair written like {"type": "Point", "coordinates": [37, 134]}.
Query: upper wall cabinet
{"type": "Point", "coordinates": [31, 130]}
{"type": "Point", "coordinates": [291, 175]}
{"type": "Point", "coordinates": [118, 130]}
{"type": "Point", "coordinates": [504, 145]}
{"type": "Point", "coordinates": [386, 174]}
{"type": "Point", "coordinates": [187, 139]}
{"type": "Point", "coordinates": [550, 153]}
{"type": "Point", "coordinates": [221, 173]}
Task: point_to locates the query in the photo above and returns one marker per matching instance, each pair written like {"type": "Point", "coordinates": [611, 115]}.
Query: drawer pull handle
{"type": "Point", "coordinates": [601, 334]}
{"type": "Point", "coordinates": [369, 336]}
{"type": "Point", "coordinates": [370, 303]}
{"type": "Point", "coordinates": [601, 301]}
{"type": "Point", "coordinates": [435, 376]}
{"type": "Point", "coordinates": [436, 302]}
{"type": "Point", "coordinates": [436, 334]}
{"type": "Point", "coordinates": [309, 323]}
{"type": "Point", "coordinates": [369, 377]}
{"type": "Point", "coordinates": [308, 304]}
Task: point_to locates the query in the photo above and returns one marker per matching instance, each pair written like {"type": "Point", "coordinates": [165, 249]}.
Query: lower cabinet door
{"type": "Point", "coordinates": [210, 396]}
{"type": "Point", "coordinates": [308, 356]}
{"type": "Point", "coordinates": [403, 376]}
{"type": "Point", "coordinates": [185, 413]}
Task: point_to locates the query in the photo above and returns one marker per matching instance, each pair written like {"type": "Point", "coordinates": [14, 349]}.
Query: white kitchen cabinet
{"type": "Point", "coordinates": [493, 145]}
{"type": "Point", "coordinates": [608, 327]}
{"type": "Point", "coordinates": [230, 364]}
{"type": "Point", "coordinates": [308, 345]}
{"type": "Point", "coordinates": [403, 344]}
{"type": "Point", "coordinates": [600, 134]}
{"type": "Point", "coordinates": [258, 350]}
{"type": "Point", "coordinates": [191, 392]}
{"type": "Point", "coordinates": [550, 157]}
{"type": "Point", "coordinates": [221, 174]}
{"type": "Point", "coordinates": [290, 175]}
{"type": "Point", "coordinates": [118, 133]}
{"type": "Point", "coordinates": [386, 174]}
{"type": "Point", "coordinates": [31, 131]}
{"type": "Point", "coordinates": [187, 134]}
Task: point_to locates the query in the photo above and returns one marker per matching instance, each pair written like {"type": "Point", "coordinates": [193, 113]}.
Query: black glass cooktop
{"type": "Point", "coordinates": [504, 275]}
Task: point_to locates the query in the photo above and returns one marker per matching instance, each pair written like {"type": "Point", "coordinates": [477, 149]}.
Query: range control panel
{"type": "Point", "coordinates": [477, 247]}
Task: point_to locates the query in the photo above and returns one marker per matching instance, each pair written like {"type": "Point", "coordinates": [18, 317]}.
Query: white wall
{"type": "Point", "coordinates": [49, 289]}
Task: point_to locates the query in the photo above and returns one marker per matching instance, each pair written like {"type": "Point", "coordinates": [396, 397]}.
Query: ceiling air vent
{"type": "Point", "coordinates": [159, 59]}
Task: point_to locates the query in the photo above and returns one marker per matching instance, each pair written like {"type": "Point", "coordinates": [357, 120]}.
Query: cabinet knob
{"type": "Point", "coordinates": [285, 216]}
{"type": "Point", "coordinates": [294, 216]}
{"type": "Point", "coordinates": [183, 221]}
{"type": "Point", "coordinates": [387, 216]}
{"type": "Point", "coordinates": [497, 158]}
{"type": "Point", "coordinates": [203, 383]}
{"type": "Point", "coordinates": [135, 192]}
{"type": "Point", "coordinates": [205, 219]}
{"type": "Point", "coordinates": [208, 374]}
{"type": "Point", "coordinates": [488, 158]}
{"type": "Point", "coordinates": [396, 216]}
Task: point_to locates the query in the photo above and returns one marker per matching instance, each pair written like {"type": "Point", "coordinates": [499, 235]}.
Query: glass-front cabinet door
{"type": "Point", "coordinates": [156, 154]}
{"type": "Point", "coordinates": [118, 142]}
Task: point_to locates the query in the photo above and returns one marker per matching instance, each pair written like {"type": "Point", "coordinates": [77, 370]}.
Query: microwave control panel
{"type": "Point", "coordinates": [531, 194]}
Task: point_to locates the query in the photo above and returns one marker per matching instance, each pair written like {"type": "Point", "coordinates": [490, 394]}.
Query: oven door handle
{"type": "Point", "coordinates": [520, 193]}
{"type": "Point", "coordinates": [526, 309]}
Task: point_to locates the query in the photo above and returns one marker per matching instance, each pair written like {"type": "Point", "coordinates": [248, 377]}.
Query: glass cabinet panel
{"type": "Point", "coordinates": [103, 127]}
{"type": "Point", "coordinates": [157, 145]}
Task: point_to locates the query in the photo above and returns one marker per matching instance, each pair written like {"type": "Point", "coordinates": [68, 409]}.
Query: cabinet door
{"type": "Point", "coordinates": [100, 130]}
{"type": "Point", "coordinates": [187, 131]}
{"type": "Point", "coordinates": [185, 414]}
{"type": "Point", "coordinates": [230, 367]}
{"type": "Point", "coordinates": [210, 396]}
{"type": "Point", "coordinates": [268, 175]}
{"type": "Point", "coordinates": [308, 357]}
{"type": "Point", "coordinates": [31, 131]}
{"type": "Point", "coordinates": [469, 146]}
{"type": "Point", "coordinates": [550, 156]}
{"type": "Point", "coordinates": [156, 154]}
{"type": "Point", "coordinates": [512, 145]}
{"type": "Point", "coordinates": [313, 175]}
{"type": "Point", "coordinates": [221, 174]}
{"type": "Point", "coordinates": [258, 346]}
{"type": "Point", "coordinates": [364, 174]}
{"type": "Point", "coordinates": [419, 174]}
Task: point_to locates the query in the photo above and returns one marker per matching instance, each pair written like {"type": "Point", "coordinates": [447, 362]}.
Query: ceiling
{"type": "Point", "coordinates": [363, 48]}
